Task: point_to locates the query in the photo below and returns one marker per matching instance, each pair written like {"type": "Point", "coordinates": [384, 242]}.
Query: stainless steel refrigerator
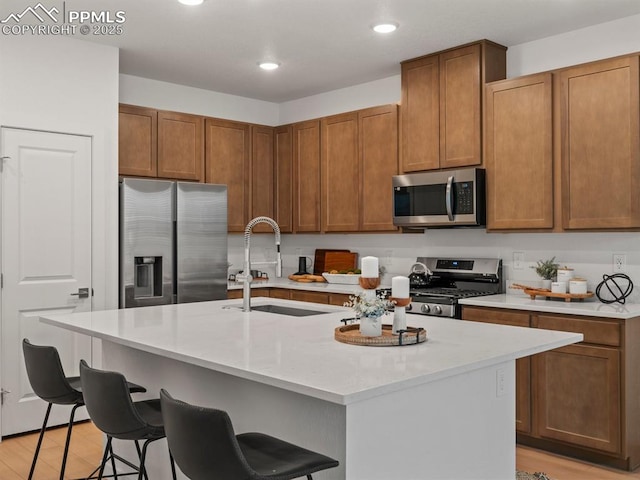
{"type": "Point", "coordinates": [173, 242]}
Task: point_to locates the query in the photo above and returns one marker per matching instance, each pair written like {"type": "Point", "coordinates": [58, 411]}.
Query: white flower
{"type": "Point", "coordinates": [366, 307]}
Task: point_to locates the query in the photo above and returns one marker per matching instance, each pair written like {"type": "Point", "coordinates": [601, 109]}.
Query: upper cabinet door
{"type": "Point", "coordinates": [340, 173]}
{"type": "Point", "coordinates": [262, 175]}
{"type": "Point", "coordinates": [378, 132]}
{"type": "Point", "coordinates": [137, 143]}
{"type": "Point", "coordinates": [519, 153]}
{"type": "Point", "coordinates": [283, 153]}
{"type": "Point", "coordinates": [460, 107]}
{"type": "Point", "coordinates": [600, 145]}
{"type": "Point", "coordinates": [306, 174]}
{"type": "Point", "coordinates": [180, 146]}
{"type": "Point", "coordinates": [420, 111]}
{"type": "Point", "coordinates": [227, 158]}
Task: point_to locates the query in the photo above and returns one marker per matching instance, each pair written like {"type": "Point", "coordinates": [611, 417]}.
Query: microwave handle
{"type": "Point", "coordinates": [449, 198]}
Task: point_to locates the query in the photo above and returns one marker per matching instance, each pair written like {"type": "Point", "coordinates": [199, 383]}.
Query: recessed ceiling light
{"type": "Point", "coordinates": [268, 65]}
{"type": "Point", "coordinates": [191, 2]}
{"type": "Point", "coordinates": [385, 27]}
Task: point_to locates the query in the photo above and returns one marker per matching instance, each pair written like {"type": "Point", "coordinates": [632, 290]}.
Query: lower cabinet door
{"type": "Point", "coordinates": [578, 396]}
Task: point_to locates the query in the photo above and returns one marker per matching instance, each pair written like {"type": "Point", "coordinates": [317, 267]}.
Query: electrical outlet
{"type": "Point", "coordinates": [388, 260]}
{"type": "Point", "coordinates": [500, 381]}
{"type": "Point", "coordinates": [619, 263]}
{"type": "Point", "coordinates": [518, 260]}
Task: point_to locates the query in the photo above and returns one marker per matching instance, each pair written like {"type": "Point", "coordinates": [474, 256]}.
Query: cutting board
{"type": "Point", "coordinates": [318, 262]}
{"type": "Point", "coordinates": [340, 261]}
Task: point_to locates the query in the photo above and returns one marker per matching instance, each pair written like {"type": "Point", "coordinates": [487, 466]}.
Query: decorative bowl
{"type": "Point", "coordinates": [345, 278]}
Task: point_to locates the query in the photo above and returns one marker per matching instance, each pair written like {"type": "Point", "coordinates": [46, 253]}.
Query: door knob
{"type": "Point", "coordinates": [82, 293]}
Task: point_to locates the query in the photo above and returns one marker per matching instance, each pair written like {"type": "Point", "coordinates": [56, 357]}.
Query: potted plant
{"type": "Point", "coordinates": [547, 269]}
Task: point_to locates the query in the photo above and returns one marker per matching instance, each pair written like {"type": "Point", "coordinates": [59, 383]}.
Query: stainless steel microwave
{"type": "Point", "coordinates": [443, 198]}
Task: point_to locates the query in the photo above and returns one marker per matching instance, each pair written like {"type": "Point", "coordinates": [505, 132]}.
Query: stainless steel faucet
{"type": "Point", "coordinates": [246, 287]}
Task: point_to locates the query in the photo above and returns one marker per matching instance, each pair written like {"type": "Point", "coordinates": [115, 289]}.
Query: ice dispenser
{"type": "Point", "coordinates": [148, 277]}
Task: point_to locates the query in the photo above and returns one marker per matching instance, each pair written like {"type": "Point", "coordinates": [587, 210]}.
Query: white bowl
{"type": "Point", "coordinates": [346, 278]}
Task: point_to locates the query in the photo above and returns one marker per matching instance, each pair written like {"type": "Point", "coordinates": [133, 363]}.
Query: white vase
{"type": "Point", "coordinates": [546, 284]}
{"type": "Point", "coordinates": [371, 326]}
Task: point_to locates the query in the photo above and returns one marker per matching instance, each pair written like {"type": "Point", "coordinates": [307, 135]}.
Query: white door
{"type": "Point", "coordinates": [46, 258]}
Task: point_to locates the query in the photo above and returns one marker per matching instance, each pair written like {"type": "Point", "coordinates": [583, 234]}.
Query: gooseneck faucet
{"type": "Point", "coordinates": [246, 287]}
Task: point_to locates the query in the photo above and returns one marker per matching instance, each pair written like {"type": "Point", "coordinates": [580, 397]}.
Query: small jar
{"type": "Point", "coordinates": [558, 287]}
{"type": "Point", "coordinates": [578, 286]}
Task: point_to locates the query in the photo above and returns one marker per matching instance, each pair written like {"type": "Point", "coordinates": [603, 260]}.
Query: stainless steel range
{"type": "Point", "coordinates": [436, 284]}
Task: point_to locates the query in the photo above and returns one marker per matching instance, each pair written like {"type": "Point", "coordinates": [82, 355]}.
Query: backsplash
{"type": "Point", "coordinates": [589, 254]}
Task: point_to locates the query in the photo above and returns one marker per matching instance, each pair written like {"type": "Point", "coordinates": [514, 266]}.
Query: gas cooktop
{"type": "Point", "coordinates": [448, 280]}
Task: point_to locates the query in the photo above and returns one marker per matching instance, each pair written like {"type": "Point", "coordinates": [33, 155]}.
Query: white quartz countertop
{"type": "Point", "coordinates": [589, 307]}
{"type": "Point", "coordinates": [300, 354]}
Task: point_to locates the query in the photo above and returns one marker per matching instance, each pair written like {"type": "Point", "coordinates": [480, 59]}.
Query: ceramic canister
{"type": "Point", "coordinates": [578, 285]}
{"type": "Point", "coordinates": [564, 275]}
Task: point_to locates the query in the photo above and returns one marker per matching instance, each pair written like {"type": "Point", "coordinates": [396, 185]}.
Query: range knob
{"type": "Point", "coordinates": [437, 309]}
{"type": "Point", "coordinates": [425, 308]}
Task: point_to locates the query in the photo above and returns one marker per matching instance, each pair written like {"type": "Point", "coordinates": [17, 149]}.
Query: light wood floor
{"type": "Point", "coordinates": [85, 454]}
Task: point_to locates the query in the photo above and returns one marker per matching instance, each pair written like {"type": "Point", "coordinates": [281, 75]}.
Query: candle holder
{"type": "Point", "coordinates": [399, 314]}
{"type": "Point", "coordinates": [369, 283]}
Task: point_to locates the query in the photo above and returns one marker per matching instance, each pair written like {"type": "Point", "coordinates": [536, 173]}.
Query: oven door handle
{"type": "Point", "coordinates": [449, 198]}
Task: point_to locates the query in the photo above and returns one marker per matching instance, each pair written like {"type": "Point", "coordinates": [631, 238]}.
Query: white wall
{"type": "Point", "coordinates": [579, 46]}
{"type": "Point", "coordinates": [371, 94]}
{"type": "Point", "coordinates": [66, 85]}
{"type": "Point", "coordinates": [179, 98]}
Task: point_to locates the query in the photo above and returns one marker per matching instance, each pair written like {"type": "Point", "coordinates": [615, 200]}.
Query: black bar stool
{"type": "Point", "coordinates": [205, 446]}
{"type": "Point", "coordinates": [49, 382]}
{"type": "Point", "coordinates": [111, 409]}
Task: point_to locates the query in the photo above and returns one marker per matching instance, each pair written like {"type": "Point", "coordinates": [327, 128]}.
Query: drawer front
{"type": "Point", "coordinates": [314, 297]}
{"type": "Point", "coordinates": [496, 315]}
{"type": "Point", "coordinates": [595, 331]}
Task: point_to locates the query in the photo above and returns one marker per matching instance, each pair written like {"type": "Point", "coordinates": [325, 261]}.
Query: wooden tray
{"type": "Point", "coordinates": [351, 334]}
{"type": "Point", "coordinates": [567, 296]}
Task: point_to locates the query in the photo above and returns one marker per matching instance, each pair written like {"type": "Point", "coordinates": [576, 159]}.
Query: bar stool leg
{"type": "Point", "coordinates": [66, 445]}
{"type": "Point", "coordinates": [107, 449]}
{"type": "Point", "coordinates": [44, 427]}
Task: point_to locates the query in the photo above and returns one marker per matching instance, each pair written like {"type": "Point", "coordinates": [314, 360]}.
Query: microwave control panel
{"type": "Point", "coordinates": [463, 197]}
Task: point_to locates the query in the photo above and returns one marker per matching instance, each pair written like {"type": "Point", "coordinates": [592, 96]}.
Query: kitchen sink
{"type": "Point", "coordinates": [283, 310]}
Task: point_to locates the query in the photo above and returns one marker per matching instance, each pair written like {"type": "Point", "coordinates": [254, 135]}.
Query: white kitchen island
{"type": "Point", "coordinates": [443, 409]}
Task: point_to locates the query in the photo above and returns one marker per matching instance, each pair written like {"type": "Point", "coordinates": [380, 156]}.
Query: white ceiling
{"type": "Point", "coordinates": [322, 45]}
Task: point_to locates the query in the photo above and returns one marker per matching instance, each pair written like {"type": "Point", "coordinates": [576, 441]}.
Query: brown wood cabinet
{"type": "Point", "coordinates": [255, 292]}
{"type": "Point", "coordinates": [359, 157]}
{"type": "Point", "coordinates": [523, 365]}
{"type": "Point", "coordinates": [227, 161]}
{"type": "Point", "coordinates": [578, 387]}
{"type": "Point", "coordinates": [283, 157]}
{"type": "Point", "coordinates": [519, 153]}
{"type": "Point", "coordinates": [441, 108]}
{"type": "Point", "coordinates": [308, 296]}
{"type": "Point", "coordinates": [156, 143]}
{"type": "Point", "coordinates": [340, 173]}
{"type": "Point", "coordinates": [378, 135]}
{"type": "Point", "coordinates": [137, 141]}
{"type": "Point", "coordinates": [583, 397]}
{"type": "Point", "coordinates": [306, 176]}
{"type": "Point", "coordinates": [262, 175]}
{"type": "Point", "coordinates": [294, 294]}
{"type": "Point", "coordinates": [180, 146]}
{"type": "Point", "coordinates": [600, 148]}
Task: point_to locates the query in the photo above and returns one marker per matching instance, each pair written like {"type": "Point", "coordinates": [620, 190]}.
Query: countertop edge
{"type": "Point", "coordinates": [584, 308]}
